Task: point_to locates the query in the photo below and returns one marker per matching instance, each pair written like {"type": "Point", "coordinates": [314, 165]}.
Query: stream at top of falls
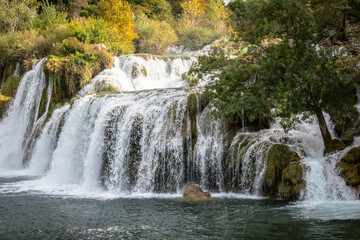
{"type": "Point", "coordinates": [106, 165]}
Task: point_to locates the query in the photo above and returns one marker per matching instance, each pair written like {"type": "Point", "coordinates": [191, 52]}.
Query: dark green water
{"type": "Point", "coordinates": [33, 215]}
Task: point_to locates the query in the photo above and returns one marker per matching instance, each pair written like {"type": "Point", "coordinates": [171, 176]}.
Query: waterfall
{"type": "Point", "coordinates": [142, 72]}
{"type": "Point", "coordinates": [151, 134]}
{"type": "Point", "coordinates": [21, 119]}
{"type": "Point", "coordinates": [47, 142]}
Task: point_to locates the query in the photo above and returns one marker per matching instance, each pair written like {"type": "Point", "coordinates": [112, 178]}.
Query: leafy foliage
{"type": "Point", "coordinates": [16, 15]}
{"type": "Point", "coordinates": [48, 18]}
{"type": "Point", "coordinates": [156, 36]}
{"type": "Point", "coordinates": [119, 16]}
{"type": "Point", "coordinates": [286, 71]}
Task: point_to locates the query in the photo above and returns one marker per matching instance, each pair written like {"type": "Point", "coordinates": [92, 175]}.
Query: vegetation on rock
{"type": "Point", "coordinates": [349, 167]}
{"type": "Point", "coordinates": [283, 177]}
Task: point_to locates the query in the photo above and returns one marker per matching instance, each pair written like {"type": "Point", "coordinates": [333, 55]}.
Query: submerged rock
{"type": "Point", "coordinates": [350, 168]}
{"type": "Point", "coordinates": [195, 193]}
{"type": "Point", "coordinates": [283, 177]}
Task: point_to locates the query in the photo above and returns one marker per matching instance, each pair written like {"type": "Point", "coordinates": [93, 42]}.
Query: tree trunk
{"type": "Point", "coordinates": [324, 129]}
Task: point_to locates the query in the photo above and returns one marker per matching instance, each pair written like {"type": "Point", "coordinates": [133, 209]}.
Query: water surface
{"type": "Point", "coordinates": [36, 215]}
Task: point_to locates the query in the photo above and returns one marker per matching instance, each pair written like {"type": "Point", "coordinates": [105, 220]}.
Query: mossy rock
{"type": "Point", "coordinates": [136, 71]}
{"type": "Point", "coordinates": [292, 181]}
{"type": "Point", "coordinates": [105, 87]}
{"type": "Point", "coordinates": [349, 167]}
{"type": "Point", "coordinates": [144, 71]}
{"type": "Point", "coordinates": [335, 145]}
{"type": "Point", "coordinates": [352, 157]}
{"type": "Point", "coordinates": [10, 86]}
{"type": "Point", "coordinates": [278, 169]}
{"type": "Point", "coordinates": [7, 71]}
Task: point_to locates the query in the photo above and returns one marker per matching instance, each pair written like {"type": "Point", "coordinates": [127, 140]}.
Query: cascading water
{"type": "Point", "coordinates": [152, 134]}
{"type": "Point", "coordinates": [22, 118]}
{"type": "Point", "coordinates": [142, 72]}
{"type": "Point", "coordinates": [47, 142]}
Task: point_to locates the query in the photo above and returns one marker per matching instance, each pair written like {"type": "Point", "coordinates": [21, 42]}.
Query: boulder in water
{"type": "Point", "coordinates": [195, 193]}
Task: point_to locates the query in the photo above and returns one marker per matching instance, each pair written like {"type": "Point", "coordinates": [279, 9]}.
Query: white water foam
{"type": "Point", "coordinates": [21, 119]}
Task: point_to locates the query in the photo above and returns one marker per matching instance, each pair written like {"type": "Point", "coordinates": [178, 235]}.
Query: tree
{"type": "Point", "coordinates": [192, 15]}
{"type": "Point", "coordinates": [16, 15]}
{"type": "Point", "coordinates": [289, 73]}
{"type": "Point", "coordinates": [155, 36]}
{"type": "Point", "coordinates": [217, 16]}
{"type": "Point", "coordinates": [119, 15]}
{"type": "Point", "coordinates": [49, 18]}
{"type": "Point", "coordinates": [332, 16]}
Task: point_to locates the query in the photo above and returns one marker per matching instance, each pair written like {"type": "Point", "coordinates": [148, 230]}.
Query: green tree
{"type": "Point", "coordinates": [290, 74]}
{"type": "Point", "coordinates": [16, 15]}
{"type": "Point", "coordinates": [119, 16]}
{"type": "Point", "coordinates": [49, 17]}
{"type": "Point", "coordinates": [155, 36]}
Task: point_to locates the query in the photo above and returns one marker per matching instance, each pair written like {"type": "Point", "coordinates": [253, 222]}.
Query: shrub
{"type": "Point", "coordinates": [16, 15]}
{"type": "Point", "coordinates": [100, 31]}
{"type": "Point", "coordinates": [49, 18]}
{"type": "Point", "coordinates": [155, 36]}
{"type": "Point", "coordinates": [21, 45]}
{"type": "Point", "coordinates": [71, 46]}
{"type": "Point", "coordinates": [197, 37]}
{"type": "Point", "coordinates": [89, 11]}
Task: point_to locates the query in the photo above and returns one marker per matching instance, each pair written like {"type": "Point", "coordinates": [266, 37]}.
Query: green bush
{"type": "Point", "coordinates": [89, 11]}
{"type": "Point", "coordinates": [155, 36]}
{"type": "Point", "coordinates": [21, 45]}
{"type": "Point", "coordinates": [16, 15]}
{"type": "Point", "coordinates": [197, 37]}
{"type": "Point", "coordinates": [49, 18]}
{"type": "Point", "coordinates": [100, 31]}
{"type": "Point", "coordinates": [71, 46]}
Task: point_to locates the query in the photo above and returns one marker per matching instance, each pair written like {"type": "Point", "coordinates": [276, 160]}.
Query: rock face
{"type": "Point", "coordinates": [350, 168]}
{"type": "Point", "coordinates": [195, 193]}
{"type": "Point", "coordinates": [283, 177]}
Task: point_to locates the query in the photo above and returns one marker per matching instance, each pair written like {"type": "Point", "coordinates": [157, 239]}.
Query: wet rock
{"type": "Point", "coordinates": [283, 177]}
{"type": "Point", "coordinates": [348, 140]}
{"type": "Point", "coordinates": [349, 167]}
{"type": "Point", "coordinates": [353, 156]}
{"type": "Point", "coordinates": [104, 86]}
{"type": "Point", "coordinates": [335, 145]}
{"type": "Point", "coordinates": [195, 193]}
{"type": "Point", "coordinates": [292, 181]}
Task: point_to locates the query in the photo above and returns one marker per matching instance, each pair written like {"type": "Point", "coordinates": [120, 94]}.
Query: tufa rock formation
{"type": "Point", "coordinates": [349, 167]}
{"type": "Point", "coordinates": [283, 177]}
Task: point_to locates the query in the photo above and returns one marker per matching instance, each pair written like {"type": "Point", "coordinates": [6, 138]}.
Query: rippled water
{"type": "Point", "coordinates": [35, 215]}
